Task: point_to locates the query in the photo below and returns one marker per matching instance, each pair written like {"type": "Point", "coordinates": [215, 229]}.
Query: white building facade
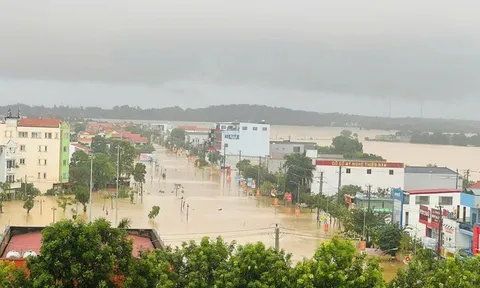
{"type": "Point", "coordinates": [43, 148]}
{"type": "Point", "coordinates": [247, 139]}
{"type": "Point", "coordinates": [384, 175]}
{"type": "Point", "coordinates": [9, 158]}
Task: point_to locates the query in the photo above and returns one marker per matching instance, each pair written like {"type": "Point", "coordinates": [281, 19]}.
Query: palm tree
{"type": "Point", "coordinates": [125, 223]}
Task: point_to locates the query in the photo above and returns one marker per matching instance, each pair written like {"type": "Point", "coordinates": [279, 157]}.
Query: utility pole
{"type": "Point", "coordinates": [339, 183]}
{"type": "Point", "coordinates": [456, 181]}
{"type": "Point", "coordinates": [224, 163]}
{"type": "Point", "coordinates": [277, 238]}
{"type": "Point", "coordinates": [188, 208]}
{"type": "Point", "coordinates": [369, 192]}
{"type": "Point", "coordinates": [258, 171]}
{"type": "Point", "coordinates": [116, 192]}
{"type": "Point", "coordinates": [467, 177]}
{"type": "Point", "coordinates": [91, 190]}
{"type": "Point", "coordinates": [320, 188]}
{"type": "Point", "coordinates": [440, 228]}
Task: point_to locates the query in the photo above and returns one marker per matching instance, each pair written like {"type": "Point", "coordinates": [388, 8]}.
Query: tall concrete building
{"type": "Point", "coordinates": [43, 148]}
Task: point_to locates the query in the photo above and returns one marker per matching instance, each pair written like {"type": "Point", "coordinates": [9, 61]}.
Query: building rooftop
{"type": "Point", "coordinates": [433, 191]}
{"type": "Point", "coordinates": [429, 170]}
{"type": "Point", "coordinates": [475, 185]}
{"type": "Point", "coordinates": [292, 142]}
{"type": "Point", "coordinates": [39, 122]}
{"type": "Point", "coordinates": [22, 239]}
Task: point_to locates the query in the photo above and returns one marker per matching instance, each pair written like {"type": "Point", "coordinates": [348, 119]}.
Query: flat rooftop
{"type": "Point", "coordinates": [22, 239]}
{"type": "Point", "coordinates": [433, 191]}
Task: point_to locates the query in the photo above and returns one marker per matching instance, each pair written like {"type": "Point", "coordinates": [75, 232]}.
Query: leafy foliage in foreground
{"type": "Point", "coordinates": [77, 254]}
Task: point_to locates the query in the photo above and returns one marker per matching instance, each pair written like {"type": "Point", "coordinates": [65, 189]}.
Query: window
{"type": "Point", "coordinates": [369, 171]}
{"type": "Point", "coordinates": [22, 148]}
{"type": "Point", "coordinates": [48, 135]}
{"type": "Point", "coordinates": [406, 218]}
{"type": "Point", "coordinates": [64, 162]}
{"type": "Point", "coordinates": [42, 162]}
{"type": "Point", "coordinates": [22, 134]}
{"type": "Point", "coordinates": [44, 175]}
{"type": "Point", "coordinates": [42, 148]}
{"type": "Point", "coordinates": [46, 148]}
{"type": "Point", "coordinates": [406, 199]}
{"type": "Point", "coordinates": [390, 172]}
{"type": "Point", "coordinates": [10, 178]}
{"type": "Point", "coordinates": [56, 135]}
{"type": "Point", "coordinates": [296, 149]}
{"type": "Point", "coordinates": [22, 161]}
{"type": "Point", "coordinates": [255, 128]}
{"type": "Point", "coordinates": [445, 200]}
{"type": "Point", "coordinates": [244, 128]}
{"type": "Point", "coordinates": [422, 200]}
{"type": "Point", "coordinates": [348, 171]}
{"type": "Point", "coordinates": [264, 128]}
{"type": "Point", "coordinates": [65, 148]}
{"type": "Point", "coordinates": [36, 135]}
{"type": "Point", "coordinates": [223, 127]}
{"type": "Point", "coordinates": [38, 175]}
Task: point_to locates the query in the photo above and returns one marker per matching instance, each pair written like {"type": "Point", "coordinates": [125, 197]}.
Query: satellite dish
{"type": "Point", "coordinates": [13, 255]}
{"type": "Point", "coordinates": [29, 253]}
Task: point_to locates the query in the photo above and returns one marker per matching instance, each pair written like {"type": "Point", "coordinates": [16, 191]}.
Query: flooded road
{"type": "Point", "coordinates": [212, 210]}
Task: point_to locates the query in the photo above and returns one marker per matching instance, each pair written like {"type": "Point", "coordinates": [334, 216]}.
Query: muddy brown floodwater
{"type": "Point", "coordinates": [213, 210]}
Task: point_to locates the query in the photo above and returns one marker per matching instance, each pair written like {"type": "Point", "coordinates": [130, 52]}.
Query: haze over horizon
{"type": "Point", "coordinates": [370, 58]}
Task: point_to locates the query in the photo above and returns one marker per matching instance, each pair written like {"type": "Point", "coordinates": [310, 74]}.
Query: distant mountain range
{"type": "Point", "coordinates": [252, 113]}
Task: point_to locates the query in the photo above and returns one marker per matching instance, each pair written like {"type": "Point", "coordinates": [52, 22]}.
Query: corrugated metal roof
{"type": "Point", "coordinates": [429, 170]}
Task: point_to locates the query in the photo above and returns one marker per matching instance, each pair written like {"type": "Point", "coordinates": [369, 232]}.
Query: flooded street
{"type": "Point", "coordinates": [212, 210]}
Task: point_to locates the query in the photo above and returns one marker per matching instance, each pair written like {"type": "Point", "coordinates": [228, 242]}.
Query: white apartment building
{"type": "Point", "coordinates": [9, 164]}
{"type": "Point", "coordinates": [384, 175]}
{"type": "Point", "coordinates": [247, 139]}
{"type": "Point", "coordinates": [43, 145]}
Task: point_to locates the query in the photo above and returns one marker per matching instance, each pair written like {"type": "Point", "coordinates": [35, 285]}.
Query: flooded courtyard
{"type": "Point", "coordinates": [211, 209]}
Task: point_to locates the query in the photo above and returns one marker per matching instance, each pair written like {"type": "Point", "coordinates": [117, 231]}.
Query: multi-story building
{"type": "Point", "coordinates": [9, 164]}
{"type": "Point", "coordinates": [422, 211]}
{"type": "Point", "coordinates": [235, 138]}
{"type": "Point", "coordinates": [383, 175]}
{"type": "Point", "coordinates": [44, 148]}
{"type": "Point", "coordinates": [279, 149]}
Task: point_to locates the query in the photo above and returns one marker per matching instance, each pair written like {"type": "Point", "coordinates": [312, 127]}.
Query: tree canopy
{"type": "Point", "coordinates": [350, 148]}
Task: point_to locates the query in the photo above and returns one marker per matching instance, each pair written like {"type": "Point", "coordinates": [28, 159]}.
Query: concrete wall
{"type": "Point", "coordinates": [415, 181]}
{"type": "Point", "coordinates": [253, 140]}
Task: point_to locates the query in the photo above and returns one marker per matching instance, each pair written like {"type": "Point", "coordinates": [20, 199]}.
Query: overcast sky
{"type": "Point", "coordinates": [345, 56]}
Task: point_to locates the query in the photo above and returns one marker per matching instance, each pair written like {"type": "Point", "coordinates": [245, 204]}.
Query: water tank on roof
{"type": "Point", "coordinates": [29, 253]}
{"type": "Point", "coordinates": [13, 255]}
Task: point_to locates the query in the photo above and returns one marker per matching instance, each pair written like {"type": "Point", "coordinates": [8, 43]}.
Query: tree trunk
{"type": "Point", "coordinates": [84, 207]}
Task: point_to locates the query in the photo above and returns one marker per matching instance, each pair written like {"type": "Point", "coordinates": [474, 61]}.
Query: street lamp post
{"type": "Point", "coordinates": [116, 190]}
{"type": "Point", "coordinates": [91, 189]}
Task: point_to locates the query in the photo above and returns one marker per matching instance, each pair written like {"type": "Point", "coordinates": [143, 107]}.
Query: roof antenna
{"type": "Point", "coordinates": [18, 112]}
{"type": "Point", "coordinates": [9, 113]}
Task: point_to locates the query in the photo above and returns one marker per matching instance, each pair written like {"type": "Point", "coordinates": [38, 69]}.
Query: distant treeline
{"type": "Point", "coordinates": [252, 113]}
{"type": "Point", "coordinates": [446, 139]}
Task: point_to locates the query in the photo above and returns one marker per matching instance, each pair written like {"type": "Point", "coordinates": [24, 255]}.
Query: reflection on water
{"type": "Point", "coordinates": [212, 210]}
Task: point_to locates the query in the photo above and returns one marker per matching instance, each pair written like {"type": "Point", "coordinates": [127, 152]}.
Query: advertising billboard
{"type": "Point", "coordinates": [397, 206]}
{"type": "Point", "coordinates": [146, 158]}
{"type": "Point", "coordinates": [424, 214]}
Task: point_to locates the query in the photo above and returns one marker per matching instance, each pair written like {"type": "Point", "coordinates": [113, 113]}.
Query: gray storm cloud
{"type": "Point", "coordinates": [391, 49]}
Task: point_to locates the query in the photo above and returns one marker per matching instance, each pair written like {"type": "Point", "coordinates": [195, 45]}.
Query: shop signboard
{"type": "Point", "coordinates": [424, 214]}
{"type": "Point", "coordinates": [232, 135]}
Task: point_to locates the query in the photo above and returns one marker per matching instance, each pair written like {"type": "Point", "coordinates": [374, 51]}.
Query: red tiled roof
{"type": "Point", "coordinates": [85, 140]}
{"type": "Point", "coordinates": [33, 241]}
{"type": "Point", "coordinates": [476, 185]}
{"type": "Point", "coordinates": [39, 122]}
{"type": "Point", "coordinates": [433, 191]}
{"type": "Point", "coordinates": [82, 147]}
{"type": "Point", "coordinates": [192, 128]}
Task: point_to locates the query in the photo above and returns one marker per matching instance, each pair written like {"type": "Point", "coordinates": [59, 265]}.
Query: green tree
{"type": "Point", "coordinates": [389, 238]}
{"type": "Point", "coordinates": [80, 168]}
{"type": "Point", "coordinates": [177, 138]}
{"type": "Point", "coordinates": [215, 157]}
{"type": "Point", "coordinates": [139, 175]}
{"type": "Point", "coordinates": [358, 221]}
{"type": "Point", "coordinates": [99, 145]}
{"type": "Point", "coordinates": [127, 157]}
{"type": "Point", "coordinates": [125, 223]}
{"type": "Point", "coordinates": [243, 165]}
{"type": "Point", "coordinates": [28, 203]}
{"type": "Point", "coordinates": [346, 133]}
{"type": "Point", "coordinates": [88, 255]}
{"type": "Point", "coordinates": [154, 212]}
{"type": "Point", "coordinates": [254, 265]}
{"type": "Point", "coordinates": [82, 195]}
{"type": "Point", "coordinates": [4, 188]}
{"type": "Point", "coordinates": [420, 269]}
{"type": "Point", "coordinates": [11, 277]}
{"type": "Point", "coordinates": [79, 127]}
{"type": "Point", "coordinates": [103, 171]}
{"type": "Point", "coordinates": [63, 202]}
{"type": "Point", "coordinates": [336, 264]}
{"type": "Point", "coordinates": [342, 145]}
{"type": "Point", "coordinates": [299, 173]}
